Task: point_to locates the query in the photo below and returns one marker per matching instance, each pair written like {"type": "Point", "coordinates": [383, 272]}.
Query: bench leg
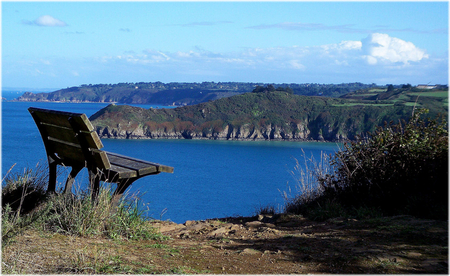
{"type": "Point", "coordinates": [122, 185]}
{"type": "Point", "coordinates": [71, 179]}
{"type": "Point", "coordinates": [51, 189]}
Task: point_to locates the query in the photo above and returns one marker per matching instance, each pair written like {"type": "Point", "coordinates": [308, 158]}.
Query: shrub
{"type": "Point", "coordinates": [398, 169]}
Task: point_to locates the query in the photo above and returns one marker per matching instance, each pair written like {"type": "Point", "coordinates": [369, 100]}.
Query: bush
{"type": "Point", "coordinates": [398, 169]}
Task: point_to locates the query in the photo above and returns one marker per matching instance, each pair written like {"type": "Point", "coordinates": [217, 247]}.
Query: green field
{"type": "Point", "coordinates": [366, 104]}
{"type": "Point", "coordinates": [438, 94]}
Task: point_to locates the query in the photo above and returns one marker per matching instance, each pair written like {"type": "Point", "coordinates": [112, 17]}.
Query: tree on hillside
{"type": "Point", "coordinates": [390, 88]}
{"type": "Point", "coordinates": [271, 88]}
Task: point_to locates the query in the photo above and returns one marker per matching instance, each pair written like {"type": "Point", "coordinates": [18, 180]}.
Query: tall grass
{"type": "Point", "coordinates": [25, 204]}
{"type": "Point", "coordinates": [76, 214]}
{"type": "Point", "coordinates": [22, 193]}
{"type": "Point", "coordinates": [306, 176]}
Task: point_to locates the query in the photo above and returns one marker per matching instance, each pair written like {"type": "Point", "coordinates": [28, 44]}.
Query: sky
{"type": "Point", "coordinates": [65, 44]}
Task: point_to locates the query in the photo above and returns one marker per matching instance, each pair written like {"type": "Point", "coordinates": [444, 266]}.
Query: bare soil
{"type": "Point", "coordinates": [282, 244]}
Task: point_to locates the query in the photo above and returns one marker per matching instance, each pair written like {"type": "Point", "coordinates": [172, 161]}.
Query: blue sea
{"type": "Point", "coordinates": [212, 179]}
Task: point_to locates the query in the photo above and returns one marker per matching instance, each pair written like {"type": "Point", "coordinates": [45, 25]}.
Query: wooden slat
{"type": "Point", "coordinates": [67, 134]}
{"type": "Point", "coordinates": [140, 167]}
{"type": "Point", "coordinates": [138, 163]}
{"type": "Point", "coordinates": [61, 118]}
{"type": "Point", "coordinates": [121, 172]}
{"type": "Point", "coordinates": [72, 154]}
{"type": "Point", "coordinates": [101, 159]}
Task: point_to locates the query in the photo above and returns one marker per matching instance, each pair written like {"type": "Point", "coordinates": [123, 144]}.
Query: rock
{"type": "Point", "coordinates": [218, 233]}
{"type": "Point", "coordinates": [167, 226]}
{"type": "Point", "coordinates": [225, 230]}
{"type": "Point", "coordinates": [254, 224]}
{"type": "Point", "coordinates": [250, 251]}
{"type": "Point", "coordinates": [171, 227]}
{"type": "Point", "coordinates": [198, 228]}
{"type": "Point", "coordinates": [270, 225]}
{"type": "Point", "coordinates": [184, 234]}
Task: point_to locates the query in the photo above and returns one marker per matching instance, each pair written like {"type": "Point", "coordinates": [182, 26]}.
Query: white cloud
{"type": "Point", "coordinates": [46, 21]}
{"type": "Point", "coordinates": [383, 48]}
{"type": "Point", "coordinates": [376, 49]}
{"type": "Point", "coordinates": [378, 58]}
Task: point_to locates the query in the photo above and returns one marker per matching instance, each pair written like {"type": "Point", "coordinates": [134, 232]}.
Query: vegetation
{"type": "Point", "coordinates": [25, 205]}
{"type": "Point", "coordinates": [268, 113]}
{"type": "Point", "coordinates": [397, 169]}
{"type": "Point", "coordinates": [176, 93]}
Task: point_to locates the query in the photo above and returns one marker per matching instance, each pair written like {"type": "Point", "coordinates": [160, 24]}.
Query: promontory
{"type": "Point", "coordinates": [276, 115]}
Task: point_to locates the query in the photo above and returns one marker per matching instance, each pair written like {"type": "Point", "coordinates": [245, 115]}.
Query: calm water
{"type": "Point", "coordinates": [211, 179]}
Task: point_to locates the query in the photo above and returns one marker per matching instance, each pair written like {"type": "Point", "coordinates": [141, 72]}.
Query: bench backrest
{"type": "Point", "coordinates": [70, 139]}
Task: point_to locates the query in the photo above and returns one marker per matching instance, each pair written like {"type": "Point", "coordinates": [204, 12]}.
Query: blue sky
{"type": "Point", "coordinates": [63, 44]}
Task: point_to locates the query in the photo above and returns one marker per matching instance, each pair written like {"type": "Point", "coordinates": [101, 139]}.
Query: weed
{"type": "Point", "coordinates": [157, 245]}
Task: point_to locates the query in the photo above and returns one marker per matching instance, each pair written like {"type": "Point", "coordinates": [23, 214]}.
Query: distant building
{"type": "Point", "coordinates": [426, 86]}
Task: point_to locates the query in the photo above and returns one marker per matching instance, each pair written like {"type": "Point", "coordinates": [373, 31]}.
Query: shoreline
{"type": "Point", "coordinates": [227, 139]}
{"type": "Point", "coordinates": [43, 101]}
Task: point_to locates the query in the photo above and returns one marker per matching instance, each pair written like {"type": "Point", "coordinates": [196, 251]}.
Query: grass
{"type": "Point", "coordinates": [364, 104]}
{"type": "Point", "coordinates": [26, 208]}
{"type": "Point", "coordinates": [438, 94]}
{"type": "Point", "coordinates": [25, 204]}
{"type": "Point", "coordinates": [306, 177]}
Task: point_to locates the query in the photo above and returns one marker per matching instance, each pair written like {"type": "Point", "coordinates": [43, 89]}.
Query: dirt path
{"type": "Point", "coordinates": [257, 245]}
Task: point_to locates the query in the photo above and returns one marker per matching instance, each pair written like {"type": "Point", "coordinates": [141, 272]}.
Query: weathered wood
{"type": "Point", "coordinates": [143, 167]}
{"type": "Point", "coordinates": [70, 140]}
{"type": "Point", "coordinates": [69, 136]}
{"type": "Point", "coordinates": [61, 118]}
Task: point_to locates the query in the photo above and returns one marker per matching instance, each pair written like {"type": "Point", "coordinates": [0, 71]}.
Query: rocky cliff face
{"type": "Point", "coordinates": [295, 132]}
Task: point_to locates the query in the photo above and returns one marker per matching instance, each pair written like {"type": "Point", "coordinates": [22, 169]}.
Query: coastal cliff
{"type": "Point", "coordinates": [251, 116]}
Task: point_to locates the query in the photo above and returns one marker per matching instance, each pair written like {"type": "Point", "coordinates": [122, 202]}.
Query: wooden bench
{"type": "Point", "coordinates": [71, 141]}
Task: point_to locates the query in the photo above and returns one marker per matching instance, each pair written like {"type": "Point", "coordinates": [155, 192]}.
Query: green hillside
{"type": "Point", "coordinates": [253, 116]}
{"type": "Point", "coordinates": [179, 93]}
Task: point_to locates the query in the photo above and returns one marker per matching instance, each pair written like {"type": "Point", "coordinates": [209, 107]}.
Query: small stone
{"type": "Point", "coordinates": [170, 227]}
{"type": "Point", "coordinates": [250, 251]}
{"type": "Point", "coordinates": [218, 233]}
{"type": "Point", "coordinates": [254, 224]}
